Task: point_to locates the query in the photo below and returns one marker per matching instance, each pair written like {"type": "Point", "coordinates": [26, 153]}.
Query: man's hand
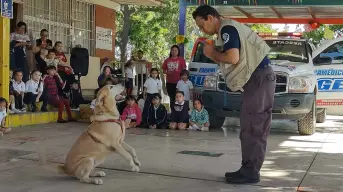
{"type": "Point", "coordinates": [37, 100]}
{"type": "Point", "coordinates": [208, 50]}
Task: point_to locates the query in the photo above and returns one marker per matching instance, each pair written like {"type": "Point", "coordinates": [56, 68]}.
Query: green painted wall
{"type": "Point", "coordinates": [262, 2]}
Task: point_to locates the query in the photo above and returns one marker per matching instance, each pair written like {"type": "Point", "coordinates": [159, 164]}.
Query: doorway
{"type": "Point", "coordinates": [17, 12]}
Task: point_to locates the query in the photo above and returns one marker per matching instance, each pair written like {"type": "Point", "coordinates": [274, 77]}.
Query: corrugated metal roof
{"type": "Point", "coordinates": [140, 2]}
{"type": "Point", "coordinates": [304, 12]}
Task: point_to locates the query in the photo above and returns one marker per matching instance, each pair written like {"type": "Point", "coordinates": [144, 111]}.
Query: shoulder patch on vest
{"type": "Point", "coordinates": [225, 37]}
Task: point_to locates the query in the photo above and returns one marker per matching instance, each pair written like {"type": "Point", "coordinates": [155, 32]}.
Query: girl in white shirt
{"type": "Point", "coordinates": [151, 86]}
{"type": "Point", "coordinates": [18, 92]}
{"type": "Point", "coordinates": [129, 77]}
{"type": "Point", "coordinates": [34, 92]}
{"type": "Point", "coordinates": [185, 85]}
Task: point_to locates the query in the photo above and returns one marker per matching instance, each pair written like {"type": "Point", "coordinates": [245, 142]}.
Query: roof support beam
{"type": "Point", "coordinates": [337, 21]}
{"type": "Point", "coordinates": [244, 12]}
{"type": "Point", "coordinates": [311, 12]}
{"type": "Point", "coordinates": [276, 12]}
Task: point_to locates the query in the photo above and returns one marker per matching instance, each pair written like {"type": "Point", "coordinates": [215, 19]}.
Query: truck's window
{"type": "Point", "coordinates": [294, 51]}
{"type": "Point", "coordinates": [335, 48]}
{"type": "Point", "coordinates": [199, 56]}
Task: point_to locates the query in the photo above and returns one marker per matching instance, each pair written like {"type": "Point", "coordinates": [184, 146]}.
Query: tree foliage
{"type": "Point", "coordinates": [152, 30]}
{"type": "Point", "coordinates": [262, 28]}
{"type": "Point", "coordinates": [324, 32]}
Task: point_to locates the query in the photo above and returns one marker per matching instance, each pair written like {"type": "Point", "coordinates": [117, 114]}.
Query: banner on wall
{"type": "Point", "coordinates": [104, 38]}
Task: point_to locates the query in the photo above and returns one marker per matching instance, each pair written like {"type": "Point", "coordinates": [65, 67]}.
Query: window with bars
{"type": "Point", "coordinates": [70, 21]}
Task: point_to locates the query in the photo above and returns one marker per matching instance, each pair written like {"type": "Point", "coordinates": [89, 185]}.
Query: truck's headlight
{"type": "Point", "coordinates": [210, 83]}
{"type": "Point", "coordinates": [299, 84]}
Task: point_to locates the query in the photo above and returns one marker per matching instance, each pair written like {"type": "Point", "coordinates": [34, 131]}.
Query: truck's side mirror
{"type": "Point", "coordinates": [322, 61]}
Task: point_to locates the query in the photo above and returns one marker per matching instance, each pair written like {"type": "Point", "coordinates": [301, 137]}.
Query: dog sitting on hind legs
{"type": "Point", "coordinates": [104, 135]}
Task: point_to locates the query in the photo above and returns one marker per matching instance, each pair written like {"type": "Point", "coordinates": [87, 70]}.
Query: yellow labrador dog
{"type": "Point", "coordinates": [105, 135]}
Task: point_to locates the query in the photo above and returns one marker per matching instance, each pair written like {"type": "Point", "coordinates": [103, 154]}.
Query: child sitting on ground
{"type": "Point", "coordinates": [179, 114]}
{"type": "Point", "coordinates": [3, 115]}
{"type": "Point", "coordinates": [76, 96]}
{"type": "Point", "coordinates": [199, 120]}
{"type": "Point", "coordinates": [53, 83]}
{"type": "Point", "coordinates": [132, 115]}
{"type": "Point", "coordinates": [157, 113]}
{"type": "Point", "coordinates": [34, 92]}
{"type": "Point", "coordinates": [17, 90]}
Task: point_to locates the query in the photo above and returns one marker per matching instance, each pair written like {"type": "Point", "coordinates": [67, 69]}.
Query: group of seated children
{"type": "Point", "coordinates": [47, 89]}
{"type": "Point", "coordinates": [149, 112]}
{"type": "Point", "coordinates": [157, 118]}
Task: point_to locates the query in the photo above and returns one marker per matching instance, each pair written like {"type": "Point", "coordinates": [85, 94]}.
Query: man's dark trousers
{"type": "Point", "coordinates": [256, 117]}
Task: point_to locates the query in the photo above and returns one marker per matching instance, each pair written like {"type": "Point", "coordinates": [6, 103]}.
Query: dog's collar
{"type": "Point", "coordinates": [111, 121]}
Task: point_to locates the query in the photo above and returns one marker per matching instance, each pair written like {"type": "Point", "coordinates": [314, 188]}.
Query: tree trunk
{"type": "Point", "coordinates": [124, 36]}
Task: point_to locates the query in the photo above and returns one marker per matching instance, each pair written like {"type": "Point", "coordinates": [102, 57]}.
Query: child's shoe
{"type": "Point", "coordinates": [16, 111]}
{"type": "Point", "coordinates": [206, 129]}
{"type": "Point", "coordinates": [194, 128]}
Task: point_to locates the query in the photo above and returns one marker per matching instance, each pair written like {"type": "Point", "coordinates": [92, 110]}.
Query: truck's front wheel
{"type": "Point", "coordinates": [307, 125]}
{"type": "Point", "coordinates": [321, 116]}
{"type": "Point", "coordinates": [215, 122]}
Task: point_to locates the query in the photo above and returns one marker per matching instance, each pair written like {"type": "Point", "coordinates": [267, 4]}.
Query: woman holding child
{"type": "Point", "coordinates": [42, 44]}
{"type": "Point", "coordinates": [19, 42]}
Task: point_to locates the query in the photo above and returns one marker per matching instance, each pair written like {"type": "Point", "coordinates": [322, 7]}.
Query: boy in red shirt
{"type": "Point", "coordinates": [54, 84]}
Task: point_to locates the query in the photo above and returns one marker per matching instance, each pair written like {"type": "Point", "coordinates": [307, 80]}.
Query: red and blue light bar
{"type": "Point", "coordinates": [281, 34]}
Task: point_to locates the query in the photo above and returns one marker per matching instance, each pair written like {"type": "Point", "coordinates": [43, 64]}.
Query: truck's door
{"type": "Point", "coordinates": [328, 62]}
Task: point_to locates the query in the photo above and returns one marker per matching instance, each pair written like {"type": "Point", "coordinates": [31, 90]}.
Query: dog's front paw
{"type": "Point", "coordinates": [98, 174]}
{"type": "Point", "coordinates": [135, 159]}
{"type": "Point", "coordinates": [135, 168]}
{"type": "Point", "coordinates": [101, 174]}
{"type": "Point", "coordinates": [98, 182]}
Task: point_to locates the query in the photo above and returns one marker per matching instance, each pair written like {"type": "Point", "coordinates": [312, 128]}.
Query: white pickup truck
{"type": "Point", "coordinates": [296, 90]}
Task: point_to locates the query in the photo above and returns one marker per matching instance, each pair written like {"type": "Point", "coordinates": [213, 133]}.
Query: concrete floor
{"type": "Point", "coordinates": [293, 162]}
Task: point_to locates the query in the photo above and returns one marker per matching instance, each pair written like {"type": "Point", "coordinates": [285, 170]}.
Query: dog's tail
{"type": "Point", "coordinates": [44, 163]}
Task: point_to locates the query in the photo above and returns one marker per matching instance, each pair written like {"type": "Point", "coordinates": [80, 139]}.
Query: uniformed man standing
{"type": "Point", "coordinates": [244, 64]}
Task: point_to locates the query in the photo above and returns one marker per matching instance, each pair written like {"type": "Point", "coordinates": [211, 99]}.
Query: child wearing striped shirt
{"type": "Point", "coordinates": [199, 120]}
